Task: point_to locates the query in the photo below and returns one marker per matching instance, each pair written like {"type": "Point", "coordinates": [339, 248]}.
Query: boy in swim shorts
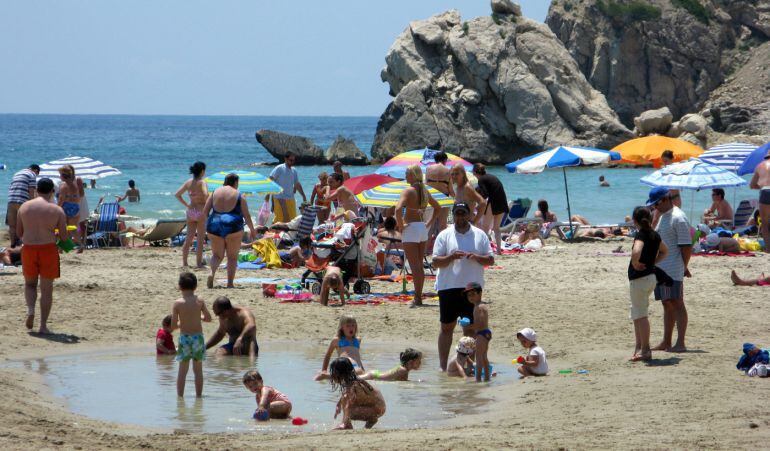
{"type": "Point", "coordinates": [483, 333]}
{"type": "Point", "coordinates": [186, 315]}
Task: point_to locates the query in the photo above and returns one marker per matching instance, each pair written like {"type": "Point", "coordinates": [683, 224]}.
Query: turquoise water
{"type": "Point", "coordinates": [156, 151]}
{"type": "Point", "coordinates": [135, 387]}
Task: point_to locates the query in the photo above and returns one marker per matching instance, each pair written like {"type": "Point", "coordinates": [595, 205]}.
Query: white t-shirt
{"type": "Point", "coordinates": [542, 363]}
{"type": "Point", "coordinates": [286, 178]}
{"type": "Point", "coordinates": [462, 271]}
{"type": "Point", "coordinates": [674, 231]}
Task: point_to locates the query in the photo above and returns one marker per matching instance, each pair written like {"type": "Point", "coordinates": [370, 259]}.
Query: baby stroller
{"type": "Point", "coordinates": [346, 257]}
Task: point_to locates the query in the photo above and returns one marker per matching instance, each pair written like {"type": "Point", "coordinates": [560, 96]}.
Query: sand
{"type": "Point", "coordinates": [574, 297]}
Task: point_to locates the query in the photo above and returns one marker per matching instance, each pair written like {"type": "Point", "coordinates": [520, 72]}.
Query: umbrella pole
{"type": "Point", "coordinates": [569, 210]}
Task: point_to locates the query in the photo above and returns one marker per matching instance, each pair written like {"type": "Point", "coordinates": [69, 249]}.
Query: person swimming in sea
{"type": "Point", "coordinates": [410, 359]}
{"type": "Point", "coordinates": [347, 344]}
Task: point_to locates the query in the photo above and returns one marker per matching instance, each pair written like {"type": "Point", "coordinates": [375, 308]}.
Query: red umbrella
{"type": "Point", "coordinates": [368, 181]}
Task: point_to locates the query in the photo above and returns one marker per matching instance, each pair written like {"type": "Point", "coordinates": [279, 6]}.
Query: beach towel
{"type": "Point", "coordinates": [746, 361]}
{"type": "Point", "coordinates": [266, 250]}
{"type": "Point", "coordinates": [252, 265]}
{"type": "Point", "coordinates": [516, 251]}
{"type": "Point", "coordinates": [726, 254]}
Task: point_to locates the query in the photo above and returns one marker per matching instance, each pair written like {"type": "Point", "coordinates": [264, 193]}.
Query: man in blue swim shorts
{"type": "Point", "coordinates": [239, 324]}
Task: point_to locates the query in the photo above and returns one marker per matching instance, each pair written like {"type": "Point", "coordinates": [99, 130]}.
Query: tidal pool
{"type": "Point", "coordinates": [136, 387]}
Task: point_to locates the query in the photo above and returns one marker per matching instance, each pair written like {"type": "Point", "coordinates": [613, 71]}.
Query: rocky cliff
{"type": "Point", "coordinates": [649, 54]}
{"type": "Point", "coordinates": [490, 89]}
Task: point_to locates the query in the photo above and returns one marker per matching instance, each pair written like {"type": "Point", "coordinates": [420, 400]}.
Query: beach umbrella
{"type": "Point", "coordinates": [693, 174]}
{"type": "Point", "coordinates": [562, 157]}
{"type": "Point", "coordinates": [396, 166]}
{"type": "Point", "coordinates": [751, 162]}
{"type": "Point", "coordinates": [248, 182]}
{"type": "Point", "coordinates": [387, 195]}
{"type": "Point", "coordinates": [85, 168]}
{"type": "Point", "coordinates": [648, 150]}
{"type": "Point", "coordinates": [728, 156]}
{"type": "Point", "coordinates": [368, 181]}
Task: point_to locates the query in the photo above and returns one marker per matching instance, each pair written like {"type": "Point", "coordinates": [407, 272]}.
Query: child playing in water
{"type": "Point", "coordinates": [360, 401]}
{"type": "Point", "coordinates": [461, 364]}
{"type": "Point", "coordinates": [187, 314]}
{"type": "Point", "coordinates": [483, 333]}
{"type": "Point", "coordinates": [534, 364]}
{"type": "Point", "coordinates": [164, 339]}
{"type": "Point", "coordinates": [410, 360]}
{"type": "Point", "coordinates": [268, 398]}
{"type": "Point", "coordinates": [347, 345]}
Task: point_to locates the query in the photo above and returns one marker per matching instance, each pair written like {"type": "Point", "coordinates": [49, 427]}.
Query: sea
{"type": "Point", "coordinates": [156, 151]}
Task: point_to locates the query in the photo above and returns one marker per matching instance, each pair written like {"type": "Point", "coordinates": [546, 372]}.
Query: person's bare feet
{"type": "Point", "coordinates": [229, 285]}
{"type": "Point", "coordinates": [369, 424]}
{"type": "Point", "coordinates": [644, 357]}
{"type": "Point", "coordinates": [734, 277]}
{"type": "Point", "coordinates": [30, 321]}
{"type": "Point", "coordinates": [678, 348]}
{"type": "Point", "coordinates": [661, 347]}
{"type": "Point", "coordinates": [210, 282]}
{"type": "Point", "coordinates": [44, 331]}
{"type": "Point", "coordinates": [342, 426]}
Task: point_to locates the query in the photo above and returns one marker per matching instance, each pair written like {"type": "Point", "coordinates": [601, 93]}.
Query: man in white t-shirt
{"type": "Point", "coordinates": [460, 253]}
{"type": "Point", "coordinates": [674, 231]}
{"type": "Point", "coordinates": [286, 176]}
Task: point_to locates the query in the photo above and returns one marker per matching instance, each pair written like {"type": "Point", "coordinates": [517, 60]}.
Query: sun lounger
{"type": "Point", "coordinates": [163, 230]}
{"type": "Point", "coordinates": [517, 209]}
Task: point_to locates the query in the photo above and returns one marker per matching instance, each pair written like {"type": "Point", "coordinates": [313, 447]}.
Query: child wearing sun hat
{"type": "Point", "coordinates": [535, 363]}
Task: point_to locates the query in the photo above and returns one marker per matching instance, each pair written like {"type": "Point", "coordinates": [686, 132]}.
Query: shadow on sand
{"type": "Point", "coordinates": [671, 361]}
{"type": "Point", "coordinates": [58, 337]}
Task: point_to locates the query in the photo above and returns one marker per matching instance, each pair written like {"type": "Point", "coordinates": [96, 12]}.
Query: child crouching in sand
{"type": "Point", "coordinates": [164, 339]}
{"type": "Point", "coordinates": [187, 314]}
{"type": "Point", "coordinates": [269, 400]}
{"type": "Point", "coordinates": [534, 363]}
{"type": "Point", "coordinates": [360, 401]}
{"type": "Point", "coordinates": [461, 364]}
{"type": "Point", "coordinates": [410, 360]}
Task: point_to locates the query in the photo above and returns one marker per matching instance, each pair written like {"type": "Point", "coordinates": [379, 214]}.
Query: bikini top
{"type": "Point", "coordinates": [344, 342]}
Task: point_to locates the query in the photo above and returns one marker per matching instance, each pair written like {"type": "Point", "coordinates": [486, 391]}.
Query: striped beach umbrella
{"type": "Point", "coordinates": [248, 182]}
{"type": "Point", "coordinates": [693, 174]}
{"type": "Point", "coordinates": [85, 168]}
{"type": "Point", "coordinates": [728, 156]}
{"type": "Point", "coordinates": [396, 166]}
{"type": "Point", "coordinates": [387, 195]}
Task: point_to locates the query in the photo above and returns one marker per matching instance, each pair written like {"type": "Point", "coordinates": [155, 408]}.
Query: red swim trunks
{"type": "Point", "coordinates": [40, 260]}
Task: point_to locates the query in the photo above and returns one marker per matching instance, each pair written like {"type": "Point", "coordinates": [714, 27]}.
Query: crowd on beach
{"type": "Point", "coordinates": [461, 240]}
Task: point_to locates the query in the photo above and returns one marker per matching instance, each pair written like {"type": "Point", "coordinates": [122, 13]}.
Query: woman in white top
{"type": "Point", "coordinates": [465, 193]}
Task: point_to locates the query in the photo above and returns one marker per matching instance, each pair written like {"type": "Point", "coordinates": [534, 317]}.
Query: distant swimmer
{"type": "Point", "coordinates": [602, 182]}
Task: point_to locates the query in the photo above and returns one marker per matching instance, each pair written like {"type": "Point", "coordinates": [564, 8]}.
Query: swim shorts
{"type": "Point", "coordinates": [453, 304]}
{"type": "Point", "coordinates": [280, 214]}
{"type": "Point", "coordinates": [415, 232]}
{"type": "Point", "coordinates": [246, 346]}
{"type": "Point", "coordinates": [191, 347]}
{"type": "Point", "coordinates": [764, 196]}
{"type": "Point", "coordinates": [40, 260]}
{"type": "Point", "coordinates": [666, 293]}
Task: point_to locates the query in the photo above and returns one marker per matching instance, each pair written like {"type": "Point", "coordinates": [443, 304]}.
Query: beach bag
{"type": "Point", "coordinates": [264, 213]}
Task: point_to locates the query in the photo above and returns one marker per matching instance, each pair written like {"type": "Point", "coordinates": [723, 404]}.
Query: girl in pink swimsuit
{"type": "Point", "coordinates": [269, 400]}
{"type": "Point", "coordinates": [197, 191]}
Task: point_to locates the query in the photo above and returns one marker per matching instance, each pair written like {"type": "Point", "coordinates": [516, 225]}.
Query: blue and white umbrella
{"type": "Point", "coordinates": [693, 174]}
{"type": "Point", "coordinates": [85, 168]}
{"type": "Point", "coordinates": [562, 157]}
{"type": "Point", "coordinates": [756, 157]}
{"type": "Point", "coordinates": [728, 156]}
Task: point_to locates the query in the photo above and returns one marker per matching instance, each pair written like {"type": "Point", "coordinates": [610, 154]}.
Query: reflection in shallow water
{"type": "Point", "coordinates": [139, 388]}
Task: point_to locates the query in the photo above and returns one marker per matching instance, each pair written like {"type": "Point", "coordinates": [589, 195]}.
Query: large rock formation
{"type": "Point", "coordinates": [647, 54]}
{"type": "Point", "coordinates": [278, 144]}
{"type": "Point", "coordinates": [491, 89]}
{"type": "Point", "coordinates": [346, 151]}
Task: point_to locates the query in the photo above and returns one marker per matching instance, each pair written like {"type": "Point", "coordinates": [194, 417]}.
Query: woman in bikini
{"type": "Point", "coordinates": [464, 192]}
{"type": "Point", "coordinates": [319, 195]}
{"type": "Point", "coordinates": [71, 192]}
{"type": "Point", "coordinates": [414, 231]}
{"type": "Point", "coordinates": [197, 191]}
{"type": "Point", "coordinates": [227, 211]}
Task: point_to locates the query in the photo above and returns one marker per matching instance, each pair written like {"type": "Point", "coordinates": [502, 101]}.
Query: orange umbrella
{"type": "Point", "coordinates": [649, 149]}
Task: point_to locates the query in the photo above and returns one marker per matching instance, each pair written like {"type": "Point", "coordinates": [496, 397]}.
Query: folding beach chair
{"type": "Point", "coordinates": [742, 215]}
{"type": "Point", "coordinates": [106, 225]}
{"type": "Point", "coordinates": [517, 209]}
{"type": "Point", "coordinates": [163, 231]}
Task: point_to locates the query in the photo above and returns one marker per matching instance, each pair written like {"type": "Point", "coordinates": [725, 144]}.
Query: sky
{"type": "Point", "coordinates": [229, 57]}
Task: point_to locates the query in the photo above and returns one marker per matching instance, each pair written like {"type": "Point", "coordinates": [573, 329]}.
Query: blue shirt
{"type": "Point", "coordinates": [286, 178]}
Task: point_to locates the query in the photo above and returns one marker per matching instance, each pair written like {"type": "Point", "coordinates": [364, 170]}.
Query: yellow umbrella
{"type": "Point", "coordinates": [648, 150]}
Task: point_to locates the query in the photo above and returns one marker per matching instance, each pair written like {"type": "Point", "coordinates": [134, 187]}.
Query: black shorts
{"type": "Point", "coordinates": [764, 197]}
{"type": "Point", "coordinates": [453, 304]}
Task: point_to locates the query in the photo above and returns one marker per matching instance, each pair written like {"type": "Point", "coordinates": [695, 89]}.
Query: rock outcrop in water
{"type": "Point", "coordinates": [278, 144]}
{"type": "Point", "coordinates": [490, 89]}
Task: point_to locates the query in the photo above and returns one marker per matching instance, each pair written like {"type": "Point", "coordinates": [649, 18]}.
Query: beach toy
{"type": "Point", "coordinates": [261, 415]}
{"type": "Point", "coordinates": [491, 369]}
{"type": "Point", "coordinates": [72, 228]}
{"type": "Point", "coordinates": [582, 371]}
{"type": "Point", "coordinates": [464, 322]}
{"type": "Point", "coordinates": [66, 245]}
{"type": "Point", "coordinates": [565, 371]}
{"type": "Point", "coordinates": [298, 421]}
{"type": "Point", "coordinates": [519, 360]}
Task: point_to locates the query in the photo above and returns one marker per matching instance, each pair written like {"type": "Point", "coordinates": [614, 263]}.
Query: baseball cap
{"type": "Point", "coordinates": [461, 205]}
{"type": "Point", "coordinates": [528, 333]}
{"type": "Point", "coordinates": [656, 195]}
{"type": "Point", "coordinates": [473, 286]}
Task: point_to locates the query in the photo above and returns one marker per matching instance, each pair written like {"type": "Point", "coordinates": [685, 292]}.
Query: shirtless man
{"type": "Point", "coordinates": [761, 181]}
{"type": "Point", "coordinates": [437, 176]}
{"type": "Point", "coordinates": [337, 167]}
{"type": "Point", "coordinates": [341, 194]}
{"type": "Point", "coordinates": [239, 324]}
{"type": "Point", "coordinates": [720, 210]}
{"type": "Point", "coordinates": [40, 257]}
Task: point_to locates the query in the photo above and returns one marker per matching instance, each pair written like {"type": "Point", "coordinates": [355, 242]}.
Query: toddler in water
{"type": "Point", "coordinates": [410, 360]}
{"type": "Point", "coordinates": [461, 364]}
{"type": "Point", "coordinates": [269, 400]}
{"type": "Point", "coordinates": [187, 314]}
{"type": "Point", "coordinates": [164, 339]}
{"type": "Point", "coordinates": [347, 345]}
{"type": "Point", "coordinates": [360, 401]}
{"type": "Point", "coordinates": [534, 363]}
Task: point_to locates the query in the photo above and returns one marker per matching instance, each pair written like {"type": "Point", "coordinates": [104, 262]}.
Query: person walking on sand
{"type": "Point", "coordinates": [227, 211]}
{"type": "Point", "coordinates": [198, 193]}
{"type": "Point", "coordinates": [37, 221]}
{"type": "Point", "coordinates": [674, 231]}
{"type": "Point", "coordinates": [21, 189]}
{"type": "Point", "coordinates": [284, 206]}
{"type": "Point", "coordinates": [761, 181]}
{"type": "Point", "coordinates": [493, 191]}
{"type": "Point", "coordinates": [460, 253]}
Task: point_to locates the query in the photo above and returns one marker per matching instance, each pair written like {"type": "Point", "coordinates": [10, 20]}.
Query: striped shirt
{"type": "Point", "coordinates": [18, 191]}
{"type": "Point", "coordinates": [674, 230]}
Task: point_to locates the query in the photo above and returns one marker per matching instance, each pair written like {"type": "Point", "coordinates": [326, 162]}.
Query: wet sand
{"type": "Point", "coordinates": [575, 298]}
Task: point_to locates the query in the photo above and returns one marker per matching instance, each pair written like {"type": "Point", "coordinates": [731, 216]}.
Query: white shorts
{"type": "Point", "coordinates": [641, 289]}
{"type": "Point", "coordinates": [414, 232]}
